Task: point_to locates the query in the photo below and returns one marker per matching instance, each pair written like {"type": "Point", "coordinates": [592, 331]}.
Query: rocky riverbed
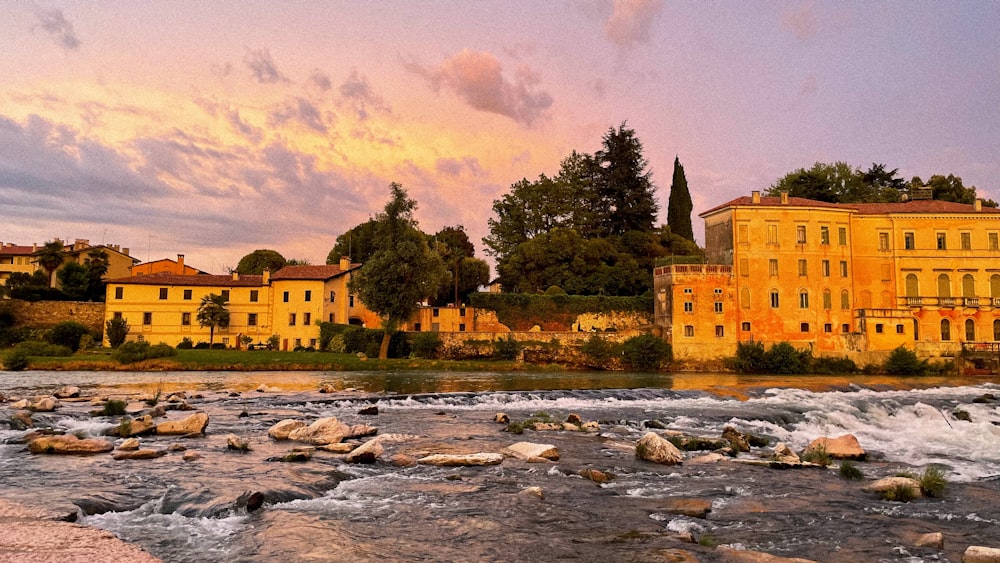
{"type": "Point", "coordinates": [439, 478]}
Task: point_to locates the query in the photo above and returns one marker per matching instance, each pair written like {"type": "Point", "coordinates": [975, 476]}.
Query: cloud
{"type": "Point", "coordinates": [262, 67]}
{"type": "Point", "coordinates": [320, 80]}
{"type": "Point", "coordinates": [301, 110]}
{"type": "Point", "coordinates": [802, 21]}
{"type": "Point", "coordinates": [359, 92]}
{"type": "Point", "coordinates": [631, 21]}
{"type": "Point", "coordinates": [477, 77]}
{"type": "Point", "coordinates": [454, 166]}
{"type": "Point", "coordinates": [54, 23]}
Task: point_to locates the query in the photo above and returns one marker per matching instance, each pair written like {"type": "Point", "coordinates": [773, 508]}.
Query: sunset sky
{"type": "Point", "coordinates": [215, 128]}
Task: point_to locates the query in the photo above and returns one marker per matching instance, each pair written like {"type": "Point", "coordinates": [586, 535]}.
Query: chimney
{"type": "Point", "coordinates": [180, 264]}
{"type": "Point", "coordinates": [267, 276]}
{"type": "Point", "coordinates": [784, 198]}
{"type": "Point", "coordinates": [977, 205]}
{"type": "Point", "coordinates": [345, 263]}
{"type": "Point", "coordinates": [236, 276]}
{"type": "Point", "coordinates": [755, 197]}
{"type": "Point", "coordinates": [125, 251]}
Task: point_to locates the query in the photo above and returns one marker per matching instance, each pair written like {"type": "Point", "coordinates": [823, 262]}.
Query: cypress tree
{"type": "Point", "coordinates": [679, 205]}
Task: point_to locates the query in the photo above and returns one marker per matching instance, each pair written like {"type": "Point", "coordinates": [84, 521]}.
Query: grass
{"type": "Point", "coordinates": [933, 482]}
{"type": "Point", "coordinates": [262, 360]}
{"type": "Point", "coordinates": [900, 492]}
{"type": "Point", "coordinates": [113, 407]}
{"type": "Point", "coordinates": [818, 456]}
{"type": "Point", "coordinates": [125, 428]}
{"type": "Point", "coordinates": [850, 471]}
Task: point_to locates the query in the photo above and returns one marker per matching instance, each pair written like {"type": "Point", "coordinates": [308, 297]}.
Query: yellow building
{"type": "Point", "coordinates": [16, 259]}
{"type": "Point", "coordinates": [837, 278]}
{"type": "Point", "coordinates": [119, 261]}
{"type": "Point", "coordinates": [165, 266]}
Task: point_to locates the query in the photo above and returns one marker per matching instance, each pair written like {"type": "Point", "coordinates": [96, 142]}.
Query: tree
{"type": "Point", "coordinates": [97, 265]}
{"type": "Point", "coordinates": [679, 206]}
{"type": "Point", "coordinates": [402, 271]}
{"type": "Point", "coordinates": [258, 260]}
{"type": "Point", "coordinates": [116, 330]}
{"type": "Point", "coordinates": [624, 184]}
{"type": "Point", "coordinates": [50, 257]}
{"type": "Point", "coordinates": [467, 272]}
{"type": "Point", "coordinates": [74, 280]}
{"type": "Point", "coordinates": [213, 312]}
{"type": "Point", "coordinates": [358, 243]}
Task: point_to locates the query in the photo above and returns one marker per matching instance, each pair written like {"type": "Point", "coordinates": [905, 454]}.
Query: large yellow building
{"type": "Point", "coordinates": [837, 278]}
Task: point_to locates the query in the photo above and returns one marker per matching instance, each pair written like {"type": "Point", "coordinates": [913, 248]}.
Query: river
{"type": "Point", "coordinates": [328, 510]}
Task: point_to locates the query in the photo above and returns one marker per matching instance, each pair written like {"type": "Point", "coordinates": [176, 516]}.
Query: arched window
{"type": "Point", "coordinates": [996, 329]}
{"type": "Point", "coordinates": [945, 330]}
{"type": "Point", "coordinates": [944, 286]}
{"type": "Point", "coordinates": [970, 330]}
{"type": "Point", "coordinates": [845, 299]}
{"type": "Point", "coordinates": [866, 299]}
{"type": "Point", "coordinates": [774, 299]}
{"type": "Point", "coordinates": [968, 286]}
{"type": "Point", "coordinates": [745, 298]}
{"type": "Point", "coordinates": [913, 285]}
{"type": "Point", "coordinates": [886, 300]}
{"type": "Point", "coordinates": [803, 299]}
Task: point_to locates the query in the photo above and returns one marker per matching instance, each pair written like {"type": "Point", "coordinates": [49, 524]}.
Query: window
{"type": "Point", "coordinates": [845, 299]}
{"type": "Point", "coordinates": [800, 234]}
{"type": "Point", "coordinates": [883, 241]}
{"type": "Point", "coordinates": [744, 267]}
{"type": "Point", "coordinates": [291, 319]}
{"type": "Point", "coordinates": [689, 331]}
{"type": "Point", "coordinates": [745, 297]}
{"type": "Point", "coordinates": [966, 240]}
{"type": "Point", "coordinates": [309, 295]}
{"type": "Point", "coordinates": [995, 286]}
{"type": "Point", "coordinates": [842, 236]}
{"type": "Point", "coordinates": [845, 328]}
{"type": "Point", "coordinates": [996, 329]}
{"type": "Point", "coordinates": [331, 320]}
{"type": "Point", "coordinates": [333, 295]}
{"type": "Point", "coordinates": [186, 319]}
{"type": "Point", "coordinates": [772, 234]}
{"type": "Point", "coordinates": [803, 327]}
{"type": "Point", "coordinates": [942, 241]}
{"type": "Point", "coordinates": [298, 342]}
{"type": "Point", "coordinates": [461, 327]}
{"type": "Point", "coordinates": [826, 268]}
{"type": "Point", "coordinates": [187, 294]}
{"type": "Point", "coordinates": [968, 286]}
{"type": "Point", "coordinates": [745, 326]}
{"type": "Point", "coordinates": [461, 311]}
{"type": "Point", "coordinates": [225, 295]}
{"type": "Point", "coordinates": [688, 307]}
{"type": "Point", "coordinates": [944, 285]}
{"type": "Point", "coordinates": [252, 319]}
{"type": "Point", "coordinates": [824, 235]}
{"type": "Point", "coordinates": [416, 326]}
{"type": "Point", "coordinates": [119, 291]}
{"type": "Point", "coordinates": [254, 295]}
{"type": "Point", "coordinates": [744, 233]}
{"type": "Point", "coordinates": [912, 285]}
{"type": "Point", "coordinates": [312, 342]}
{"type": "Point", "coordinates": [945, 330]}
{"type": "Point", "coordinates": [306, 319]}
{"type": "Point", "coordinates": [774, 298]}
{"type": "Point", "coordinates": [803, 266]}
{"type": "Point", "coordinates": [163, 293]}
{"type": "Point", "coordinates": [843, 268]}
{"type": "Point", "coordinates": [118, 314]}
{"type": "Point", "coordinates": [827, 299]}
{"type": "Point", "coordinates": [828, 327]}
{"type": "Point", "coordinates": [688, 290]}
{"type": "Point", "coordinates": [886, 272]}
{"type": "Point", "coordinates": [908, 241]}
{"type": "Point", "coordinates": [878, 328]}
{"type": "Point", "coordinates": [718, 306]}
{"type": "Point", "coordinates": [772, 267]}
{"type": "Point", "coordinates": [994, 241]}
{"type": "Point", "coordinates": [350, 300]}
{"type": "Point", "coordinates": [899, 329]}
{"type": "Point", "coordinates": [284, 297]}
{"type": "Point", "coordinates": [970, 330]}
{"type": "Point", "coordinates": [720, 331]}
{"type": "Point", "coordinates": [437, 312]}
{"type": "Point", "coordinates": [803, 299]}
{"type": "Point", "coordinates": [147, 318]}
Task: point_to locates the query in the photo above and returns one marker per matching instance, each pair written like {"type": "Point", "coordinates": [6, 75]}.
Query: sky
{"type": "Point", "coordinates": [212, 129]}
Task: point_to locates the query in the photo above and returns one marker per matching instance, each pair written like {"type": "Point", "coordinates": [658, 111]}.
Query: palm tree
{"type": "Point", "coordinates": [50, 257]}
{"type": "Point", "coordinates": [213, 313]}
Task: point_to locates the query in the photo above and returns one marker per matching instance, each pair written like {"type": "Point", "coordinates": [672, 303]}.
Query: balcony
{"type": "Point", "coordinates": [946, 302]}
{"type": "Point", "coordinates": [972, 302]}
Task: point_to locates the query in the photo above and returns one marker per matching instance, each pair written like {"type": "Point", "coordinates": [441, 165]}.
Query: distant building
{"type": "Point", "coordinates": [16, 259]}
{"type": "Point", "coordinates": [836, 278]}
{"type": "Point", "coordinates": [165, 266]}
{"type": "Point", "coordinates": [22, 259]}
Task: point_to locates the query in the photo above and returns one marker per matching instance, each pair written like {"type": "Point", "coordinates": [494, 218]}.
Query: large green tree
{"type": "Point", "coordinates": [624, 184]}
{"type": "Point", "coordinates": [74, 281]}
{"type": "Point", "coordinates": [213, 312]}
{"type": "Point", "coordinates": [679, 206]}
{"type": "Point", "coordinates": [458, 254]}
{"type": "Point", "coordinates": [50, 257]}
{"type": "Point", "coordinates": [257, 261]}
{"type": "Point", "coordinates": [402, 271]}
{"type": "Point", "coordinates": [97, 265]}
{"type": "Point", "coordinates": [359, 243]}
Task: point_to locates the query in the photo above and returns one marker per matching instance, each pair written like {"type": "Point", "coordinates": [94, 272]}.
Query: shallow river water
{"type": "Point", "coordinates": [328, 510]}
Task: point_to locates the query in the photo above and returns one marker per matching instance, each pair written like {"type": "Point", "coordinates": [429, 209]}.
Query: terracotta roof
{"type": "Point", "coordinates": [15, 250]}
{"type": "Point", "coordinates": [323, 272]}
{"type": "Point", "coordinates": [201, 280]}
{"type": "Point", "coordinates": [914, 206]}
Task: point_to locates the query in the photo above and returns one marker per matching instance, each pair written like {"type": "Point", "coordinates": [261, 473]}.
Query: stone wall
{"type": "Point", "coordinates": [460, 345]}
{"type": "Point", "coordinates": [51, 313]}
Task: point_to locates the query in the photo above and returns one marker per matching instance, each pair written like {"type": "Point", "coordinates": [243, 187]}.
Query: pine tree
{"type": "Point", "coordinates": [679, 205]}
{"type": "Point", "coordinates": [624, 184]}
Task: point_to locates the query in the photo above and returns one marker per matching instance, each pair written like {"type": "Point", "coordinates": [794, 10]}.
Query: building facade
{"type": "Point", "coordinates": [165, 266]}
{"type": "Point", "coordinates": [836, 278]}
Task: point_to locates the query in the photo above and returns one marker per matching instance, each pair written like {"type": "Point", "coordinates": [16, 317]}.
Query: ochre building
{"type": "Point", "coordinates": [836, 278]}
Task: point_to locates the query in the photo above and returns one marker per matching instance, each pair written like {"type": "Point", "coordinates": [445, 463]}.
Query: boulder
{"type": "Point", "coordinates": [591, 426]}
{"type": "Point", "coordinates": [21, 420]}
{"type": "Point", "coordinates": [890, 483]}
{"type": "Point", "coordinates": [460, 460]}
{"type": "Point", "coordinates": [282, 429]}
{"type": "Point", "coordinates": [129, 445]}
{"type": "Point", "coordinates": [366, 453]}
{"type": "Point", "coordinates": [533, 452]}
{"type": "Point", "coordinates": [68, 444]}
{"type": "Point", "coordinates": [327, 388]}
{"type": "Point", "coordinates": [338, 448]}
{"type": "Point", "coordinates": [693, 507]}
{"type": "Point", "coordinates": [713, 457]}
{"type": "Point", "coordinates": [933, 539]}
{"type": "Point", "coordinates": [264, 388]}
{"type": "Point", "coordinates": [784, 454]}
{"type": "Point", "coordinates": [361, 431]}
{"type": "Point", "coordinates": [574, 418]}
{"type": "Point", "coordinates": [139, 454]}
{"type": "Point", "coordinates": [533, 492]}
{"type": "Point", "coordinates": [176, 448]}
{"type": "Point", "coordinates": [403, 460]}
{"type": "Point", "coordinates": [736, 439]}
{"type": "Point", "coordinates": [191, 455]}
{"type": "Point", "coordinates": [238, 443]}
{"type": "Point", "coordinates": [324, 431]}
{"type": "Point", "coordinates": [501, 418]}
{"type": "Point", "coordinates": [67, 392]}
{"type": "Point", "coordinates": [842, 447]}
{"type": "Point", "coordinates": [134, 427]}
{"type": "Point", "coordinates": [596, 475]}
{"type": "Point", "coordinates": [21, 404]}
{"type": "Point", "coordinates": [371, 410]}
{"type": "Point", "coordinates": [45, 404]}
{"type": "Point", "coordinates": [655, 448]}
{"type": "Point", "coordinates": [194, 424]}
{"type": "Point", "coordinates": [733, 555]}
{"type": "Point", "coordinates": [980, 554]}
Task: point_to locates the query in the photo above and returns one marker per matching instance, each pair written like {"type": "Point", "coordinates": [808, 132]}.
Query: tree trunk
{"type": "Point", "coordinates": [383, 350]}
{"type": "Point", "coordinates": [211, 336]}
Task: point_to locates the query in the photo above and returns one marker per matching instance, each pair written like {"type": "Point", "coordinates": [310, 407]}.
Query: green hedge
{"type": "Point", "coordinates": [521, 311]}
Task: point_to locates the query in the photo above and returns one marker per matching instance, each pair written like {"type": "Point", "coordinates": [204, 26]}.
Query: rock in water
{"type": "Point", "coordinates": [194, 424]}
{"type": "Point", "coordinates": [139, 454]}
{"type": "Point", "coordinates": [736, 439]}
{"type": "Point", "coordinates": [530, 451]}
{"type": "Point", "coordinates": [48, 404]}
{"type": "Point", "coordinates": [324, 431]}
{"type": "Point", "coordinates": [980, 554]}
{"type": "Point", "coordinates": [282, 429]}
{"type": "Point", "coordinates": [366, 453]}
{"type": "Point", "coordinates": [501, 418]}
{"type": "Point", "coordinates": [234, 442]}
{"type": "Point", "coordinates": [371, 410]}
{"type": "Point", "coordinates": [842, 447]}
{"type": "Point", "coordinates": [784, 454]}
{"type": "Point", "coordinates": [458, 460]}
{"type": "Point", "coordinates": [68, 444]}
{"type": "Point", "coordinates": [129, 445]}
{"type": "Point", "coordinates": [653, 447]}
{"type": "Point", "coordinates": [889, 483]}
{"type": "Point", "coordinates": [67, 392]}
{"type": "Point", "coordinates": [934, 539]}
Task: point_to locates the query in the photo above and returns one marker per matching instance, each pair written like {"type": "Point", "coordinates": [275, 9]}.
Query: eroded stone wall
{"type": "Point", "coordinates": [51, 313]}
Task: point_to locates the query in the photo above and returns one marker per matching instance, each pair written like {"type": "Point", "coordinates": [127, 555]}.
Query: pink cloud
{"type": "Point", "coordinates": [631, 21]}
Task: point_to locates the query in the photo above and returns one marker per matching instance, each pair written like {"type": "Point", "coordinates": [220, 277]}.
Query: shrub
{"type": "Point", "coordinates": [506, 348]}
{"type": "Point", "coordinates": [113, 407]}
{"type": "Point", "coordinates": [818, 456]}
{"type": "Point", "coordinates": [185, 344]}
{"type": "Point", "coordinates": [16, 361]}
{"type": "Point", "coordinates": [598, 349]}
{"type": "Point", "coordinates": [117, 331]}
{"type": "Point", "coordinates": [11, 336]}
{"type": "Point", "coordinates": [218, 346]}
{"type": "Point", "coordinates": [273, 342]}
{"type": "Point", "coordinates": [750, 357]}
{"type": "Point", "coordinates": [783, 358]}
{"type": "Point", "coordinates": [161, 350]}
{"type": "Point", "coordinates": [904, 362]}
{"type": "Point", "coordinates": [850, 471]}
{"type": "Point", "coordinates": [130, 352]}
{"type": "Point", "coordinates": [201, 346]}
{"type": "Point", "coordinates": [825, 365]}
{"type": "Point", "coordinates": [68, 333]}
{"type": "Point", "coordinates": [86, 341]}
{"type": "Point", "coordinates": [554, 290]}
{"type": "Point", "coordinates": [933, 482]}
{"type": "Point", "coordinates": [426, 345]}
{"type": "Point", "coordinates": [646, 352]}
{"type": "Point", "coordinates": [36, 348]}
{"type": "Point", "coordinates": [900, 492]}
